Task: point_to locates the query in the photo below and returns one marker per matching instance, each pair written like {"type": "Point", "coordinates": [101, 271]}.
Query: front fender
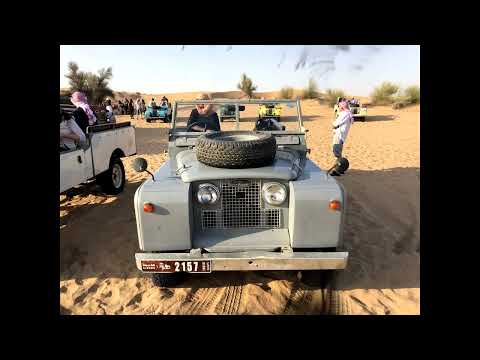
{"type": "Point", "coordinates": [312, 224]}
{"type": "Point", "coordinates": [168, 226]}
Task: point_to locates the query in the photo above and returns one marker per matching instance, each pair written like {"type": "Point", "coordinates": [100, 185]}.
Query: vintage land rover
{"type": "Point", "coordinates": [238, 200]}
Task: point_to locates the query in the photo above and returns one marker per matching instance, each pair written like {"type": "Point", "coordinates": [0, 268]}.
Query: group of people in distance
{"type": "Point", "coordinates": [132, 107]}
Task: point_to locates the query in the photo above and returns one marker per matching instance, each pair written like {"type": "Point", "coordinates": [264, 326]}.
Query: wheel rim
{"type": "Point", "coordinates": [116, 176]}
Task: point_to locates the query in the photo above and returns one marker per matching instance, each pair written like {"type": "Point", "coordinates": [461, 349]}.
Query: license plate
{"type": "Point", "coordinates": [171, 266]}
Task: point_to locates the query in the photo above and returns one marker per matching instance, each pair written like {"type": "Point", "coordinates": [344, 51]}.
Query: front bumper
{"type": "Point", "coordinates": [256, 260]}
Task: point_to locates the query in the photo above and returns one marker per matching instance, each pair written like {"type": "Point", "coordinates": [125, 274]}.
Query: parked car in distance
{"type": "Point", "coordinates": [159, 112]}
{"type": "Point", "coordinates": [227, 111]}
{"type": "Point", "coordinates": [270, 110]}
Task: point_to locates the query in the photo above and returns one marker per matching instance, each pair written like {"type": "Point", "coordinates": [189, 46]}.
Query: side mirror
{"type": "Point", "coordinates": [140, 165]}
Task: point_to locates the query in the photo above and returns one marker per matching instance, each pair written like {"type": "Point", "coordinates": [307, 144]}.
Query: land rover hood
{"type": "Point", "coordinates": [286, 166]}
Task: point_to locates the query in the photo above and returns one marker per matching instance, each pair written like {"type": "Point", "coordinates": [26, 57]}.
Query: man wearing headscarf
{"type": "Point", "coordinates": [341, 126]}
{"type": "Point", "coordinates": [80, 101]}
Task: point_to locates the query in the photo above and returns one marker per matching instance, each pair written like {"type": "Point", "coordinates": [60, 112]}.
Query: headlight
{"type": "Point", "coordinates": [207, 194]}
{"type": "Point", "coordinates": [274, 193]}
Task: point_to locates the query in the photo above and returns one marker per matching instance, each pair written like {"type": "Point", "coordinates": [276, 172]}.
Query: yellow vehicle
{"type": "Point", "coordinates": [269, 111]}
{"type": "Point", "coordinates": [359, 112]}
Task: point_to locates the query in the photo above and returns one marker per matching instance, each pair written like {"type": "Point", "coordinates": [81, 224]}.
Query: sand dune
{"type": "Point", "coordinates": [98, 237]}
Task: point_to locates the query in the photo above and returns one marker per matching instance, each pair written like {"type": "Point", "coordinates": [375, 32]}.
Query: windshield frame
{"type": "Point", "coordinates": [237, 103]}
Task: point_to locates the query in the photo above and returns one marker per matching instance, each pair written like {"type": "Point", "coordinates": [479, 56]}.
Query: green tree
{"type": "Point", "coordinates": [94, 86]}
{"type": "Point", "coordinates": [246, 85]}
{"type": "Point", "coordinates": [384, 94]}
{"type": "Point", "coordinates": [412, 94]}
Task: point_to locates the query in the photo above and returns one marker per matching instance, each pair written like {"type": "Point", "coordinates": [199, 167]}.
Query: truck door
{"type": "Point", "coordinates": [72, 169]}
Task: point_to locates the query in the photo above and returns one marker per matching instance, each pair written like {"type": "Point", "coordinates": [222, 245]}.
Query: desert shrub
{"type": "Point", "coordinates": [409, 96]}
{"type": "Point", "coordinates": [246, 85]}
{"type": "Point", "coordinates": [331, 96]}
{"type": "Point", "coordinates": [398, 104]}
{"type": "Point", "coordinates": [311, 91]}
{"type": "Point", "coordinates": [384, 94]}
{"type": "Point", "coordinates": [94, 86]}
{"type": "Point", "coordinates": [412, 94]}
{"type": "Point", "coordinates": [286, 93]}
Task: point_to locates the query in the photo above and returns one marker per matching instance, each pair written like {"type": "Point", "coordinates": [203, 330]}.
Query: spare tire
{"type": "Point", "coordinates": [236, 149]}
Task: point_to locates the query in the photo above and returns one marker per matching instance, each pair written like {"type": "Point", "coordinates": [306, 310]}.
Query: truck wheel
{"type": "Point", "coordinates": [336, 303]}
{"type": "Point", "coordinates": [112, 181]}
{"type": "Point", "coordinates": [147, 120]}
{"type": "Point", "coordinates": [166, 280]}
{"type": "Point", "coordinates": [236, 149]}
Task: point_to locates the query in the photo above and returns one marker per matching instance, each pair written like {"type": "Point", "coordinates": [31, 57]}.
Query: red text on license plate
{"type": "Point", "coordinates": [171, 266]}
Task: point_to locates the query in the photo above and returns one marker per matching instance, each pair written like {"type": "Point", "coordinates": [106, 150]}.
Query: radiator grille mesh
{"type": "Point", "coordinates": [241, 207]}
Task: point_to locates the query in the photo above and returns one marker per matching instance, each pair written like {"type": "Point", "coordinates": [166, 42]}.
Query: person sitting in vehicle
{"type": "Point", "coordinates": [70, 133]}
{"type": "Point", "coordinates": [153, 104]}
{"type": "Point", "coordinates": [164, 101]}
{"type": "Point", "coordinates": [83, 114]}
{"type": "Point", "coordinates": [203, 117]}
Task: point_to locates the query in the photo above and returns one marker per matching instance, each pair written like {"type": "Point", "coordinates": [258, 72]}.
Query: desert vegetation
{"type": "Point", "coordinates": [311, 90]}
{"type": "Point", "coordinates": [246, 85]}
{"type": "Point", "coordinates": [385, 93]}
{"type": "Point", "coordinates": [94, 86]}
{"type": "Point", "coordinates": [286, 93]}
{"type": "Point", "coordinates": [331, 96]}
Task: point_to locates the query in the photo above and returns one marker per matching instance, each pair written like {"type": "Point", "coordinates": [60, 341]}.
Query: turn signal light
{"type": "Point", "coordinates": [147, 207]}
{"type": "Point", "coordinates": [335, 205]}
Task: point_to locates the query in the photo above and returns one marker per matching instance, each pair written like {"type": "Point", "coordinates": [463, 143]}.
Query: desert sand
{"type": "Point", "coordinates": [98, 236]}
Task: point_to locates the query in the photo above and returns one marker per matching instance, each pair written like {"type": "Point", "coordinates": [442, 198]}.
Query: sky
{"type": "Point", "coordinates": [356, 69]}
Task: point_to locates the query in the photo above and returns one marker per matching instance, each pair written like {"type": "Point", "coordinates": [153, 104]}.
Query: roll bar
{"type": "Point", "coordinates": [236, 102]}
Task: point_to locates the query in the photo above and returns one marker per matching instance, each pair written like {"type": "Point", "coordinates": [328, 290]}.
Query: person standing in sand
{"type": "Point", "coordinates": [131, 108]}
{"type": "Point", "coordinates": [109, 111]}
{"type": "Point", "coordinates": [138, 107]}
{"type": "Point", "coordinates": [144, 107]}
{"type": "Point", "coordinates": [341, 127]}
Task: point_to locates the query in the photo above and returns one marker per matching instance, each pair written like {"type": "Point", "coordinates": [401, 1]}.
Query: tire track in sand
{"type": "Point", "coordinates": [231, 300]}
{"type": "Point", "coordinates": [202, 300]}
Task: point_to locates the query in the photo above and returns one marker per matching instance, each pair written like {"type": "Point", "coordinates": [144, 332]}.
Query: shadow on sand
{"type": "Point", "coordinates": [371, 118]}
{"type": "Point", "coordinates": [159, 144]}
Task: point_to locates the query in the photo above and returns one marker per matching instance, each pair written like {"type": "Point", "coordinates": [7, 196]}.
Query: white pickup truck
{"type": "Point", "coordinates": [100, 159]}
